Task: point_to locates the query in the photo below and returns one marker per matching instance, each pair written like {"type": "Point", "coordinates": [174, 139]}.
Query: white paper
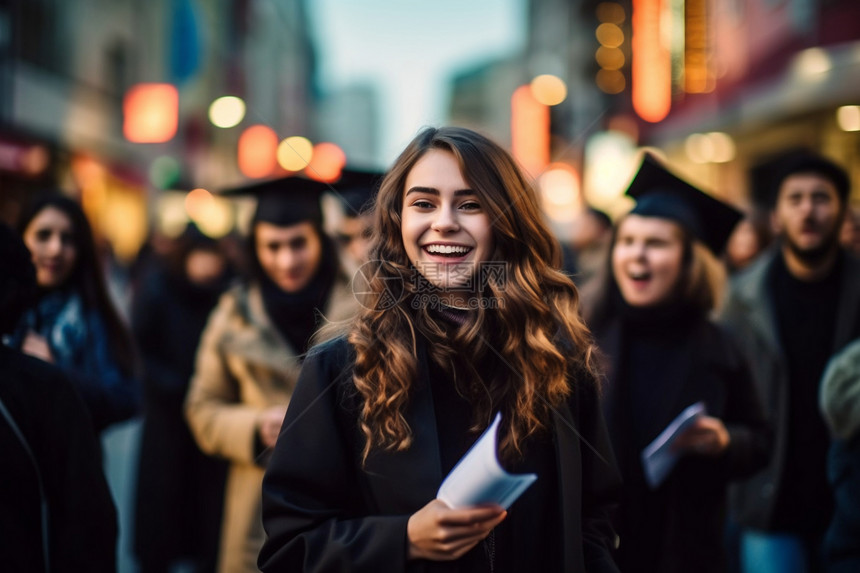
{"type": "Point", "coordinates": [658, 459]}
{"type": "Point", "coordinates": [478, 478]}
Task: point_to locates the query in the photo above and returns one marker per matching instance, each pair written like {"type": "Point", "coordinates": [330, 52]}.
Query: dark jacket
{"type": "Point", "coordinates": [180, 490]}
{"type": "Point", "coordinates": [679, 526]}
{"type": "Point", "coordinates": [749, 315]}
{"type": "Point", "coordinates": [64, 455]}
{"type": "Point", "coordinates": [840, 404]}
{"type": "Point", "coordinates": [78, 338]}
{"type": "Point", "coordinates": [323, 512]}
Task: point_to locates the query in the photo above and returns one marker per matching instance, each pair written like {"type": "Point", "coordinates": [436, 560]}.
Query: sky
{"type": "Point", "coordinates": [409, 49]}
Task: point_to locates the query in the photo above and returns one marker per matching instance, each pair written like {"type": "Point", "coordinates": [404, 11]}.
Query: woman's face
{"type": "Point", "coordinates": [446, 230]}
{"type": "Point", "coordinates": [49, 236]}
{"type": "Point", "coordinates": [646, 259]}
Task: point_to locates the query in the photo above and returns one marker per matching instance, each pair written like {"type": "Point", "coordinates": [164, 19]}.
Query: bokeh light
{"type": "Point", "coordinates": [549, 89]}
{"type": "Point", "coordinates": [609, 35]}
{"type": "Point", "coordinates": [610, 12]}
{"type": "Point", "coordinates": [610, 81]}
{"type": "Point", "coordinates": [212, 215]}
{"type": "Point", "coordinates": [713, 147]}
{"type": "Point", "coordinates": [609, 58]}
{"type": "Point", "coordinates": [258, 148]}
{"type": "Point", "coordinates": [848, 117]}
{"type": "Point", "coordinates": [561, 192]}
{"type": "Point", "coordinates": [164, 172]}
{"type": "Point", "coordinates": [295, 153]}
{"type": "Point", "coordinates": [326, 163]}
{"type": "Point", "coordinates": [151, 113]}
{"type": "Point", "coordinates": [227, 111]}
{"type": "Point", "coordinates": [530, 136]}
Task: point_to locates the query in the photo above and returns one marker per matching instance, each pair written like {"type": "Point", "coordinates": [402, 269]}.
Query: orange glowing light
{"type": "Point", "coordinates": [151, 113]}
{"type": "Point", "coordinates": [327, 161]}
{"type": "Point", "coordinates": [651, 70]}
{"type": "Point", "coordinates": [197, 202]}
{"type": "Point", "coordinates": [529, 130]}
{"type": "Point", "coordinates": [258, 149]}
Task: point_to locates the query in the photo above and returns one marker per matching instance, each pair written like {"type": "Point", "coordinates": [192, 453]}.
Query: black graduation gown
{"type": "Point", "coordinates": [680, 526]}
{"type": "Point", "coordinates": [323, 512]}
{"type": "Point", "coordinates": [54, 422]}
{"type": "Point", "coordinates": [180, 490]}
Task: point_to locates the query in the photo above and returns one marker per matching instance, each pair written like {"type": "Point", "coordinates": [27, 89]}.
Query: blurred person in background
{"type": "Point", "coordinates": [840, 405]}
{"type": "Point", "coordinates": [585, 249]}
{"type": "Point", "coordinates": [791, 310]}
{"type": "Point", "coordinates": [252, 348]}
{"type": "Point", "coordinates": [56, 512]}
{"type": "Point", "coordinates": [663, 354]}
{"type": "Point", "coordinates": [73, 322]}
{"type": "Point", "coordinates": [850, 235]}
{"type": "Point", "coordinates": [180, 490]}
{"type": "Point", "coordinates": [356, 191]}
{"type": "Point", "coordinates": [746, 242]}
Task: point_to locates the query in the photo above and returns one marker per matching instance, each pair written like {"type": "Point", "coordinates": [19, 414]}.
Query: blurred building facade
{"type": "Point", "coordinates": [718, 86]}
{"type": "Point", "coordinates": [351, 117]}
{"type": "Point", "coordinates": [743, 82]}
{"type": "Point", "coordinates": [66, 67]}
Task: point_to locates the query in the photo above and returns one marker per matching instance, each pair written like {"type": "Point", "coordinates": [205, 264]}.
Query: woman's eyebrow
{"type": "Point", "coordinates": [434, 191]}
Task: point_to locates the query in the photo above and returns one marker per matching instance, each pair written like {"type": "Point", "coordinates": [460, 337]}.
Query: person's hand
{"type": "Point", "coordinates": [269, 425]}
{"type": "Point", "coordinates": [440, 533]}
{"type": "Point", "coordinates": [706, 436]}
{"type": "Point", "coordinates": [37, 346]}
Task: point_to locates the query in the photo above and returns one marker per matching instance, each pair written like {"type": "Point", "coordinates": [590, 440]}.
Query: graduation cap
{"type": "Point", "coordinates": [357, 188]}
{"type": "Point", "coordinates": [661, 193]}
{"type": "Point", "coordinates": [284, 202]}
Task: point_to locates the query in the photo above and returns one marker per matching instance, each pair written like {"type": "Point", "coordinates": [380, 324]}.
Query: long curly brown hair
{"type": "Point", "coordinates": [531, 335]}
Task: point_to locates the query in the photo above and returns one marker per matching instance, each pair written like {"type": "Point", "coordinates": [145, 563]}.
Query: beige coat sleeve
{"type": "Point", "coordinates": [221, 424]}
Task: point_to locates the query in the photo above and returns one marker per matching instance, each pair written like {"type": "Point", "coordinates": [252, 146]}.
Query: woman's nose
{"type": "Point", "coordinates": [445, 220]}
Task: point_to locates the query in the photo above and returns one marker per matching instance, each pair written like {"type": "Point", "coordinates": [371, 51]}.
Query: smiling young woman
{"type": "Point", "coordinates": [381, 415]}
{"type": "Point", "coordinates": [74, 323]}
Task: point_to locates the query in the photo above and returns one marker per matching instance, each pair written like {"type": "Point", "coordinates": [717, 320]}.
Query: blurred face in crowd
{"type": "Point", "coordinates": [743, 245]}
{"type": "Point", "coordinates": [50, 238]}
{"type": "Point", "coordinates": [446, 231]}
{"type": "Point", "coordinates": [647, 259]}
{"type": "Point", "coordinates": [290, 256]}
{"type": "Point", "coordinates": [205, 266]}
{"type": "Point", "coordinates": [850, 235]}
{"type": "Point", "coordinates": [808, 216]}
{"type": "Point", "coordinates": [354, 236]}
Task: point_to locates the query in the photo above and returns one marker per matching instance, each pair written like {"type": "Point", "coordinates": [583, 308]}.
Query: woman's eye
{"type": "Point", "coordinates": [43, 234]}
{"type": "Point", "coordinates": [423, 204]}
{"type": "Point", "coordinates": [470, 206]}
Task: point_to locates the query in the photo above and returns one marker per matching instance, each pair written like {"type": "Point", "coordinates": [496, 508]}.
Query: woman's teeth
{"type": "Point", "coordinates": [447, 250]}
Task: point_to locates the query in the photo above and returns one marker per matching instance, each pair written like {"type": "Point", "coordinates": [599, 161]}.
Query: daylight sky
{"type": "Point", "coordinates": [409, 49]}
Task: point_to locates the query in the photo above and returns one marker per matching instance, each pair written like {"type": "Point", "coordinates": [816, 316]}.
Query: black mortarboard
{"type": "Point", "coordinates": [356, 189]}
{"type": "Point", "coordinates": [661, 193]}
{"type": "Point", "coordinates": [284, 202]}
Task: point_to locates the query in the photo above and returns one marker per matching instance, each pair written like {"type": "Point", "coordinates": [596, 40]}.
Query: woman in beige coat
{"type": "Point", "coordinates": [250, 353]}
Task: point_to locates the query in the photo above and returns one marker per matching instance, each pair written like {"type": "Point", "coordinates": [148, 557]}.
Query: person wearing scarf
{"type": "Point", "coordinates": [252, 348]}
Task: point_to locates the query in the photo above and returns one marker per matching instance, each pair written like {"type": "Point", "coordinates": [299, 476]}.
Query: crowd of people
{"type": "Point", "coordinates": [302, 404]}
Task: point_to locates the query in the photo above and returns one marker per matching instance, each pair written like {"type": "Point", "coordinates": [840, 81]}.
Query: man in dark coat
{"type": "Point", "coordinates": [791, 311]}
{"type": "Point", "coordinates": [57, 513]}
